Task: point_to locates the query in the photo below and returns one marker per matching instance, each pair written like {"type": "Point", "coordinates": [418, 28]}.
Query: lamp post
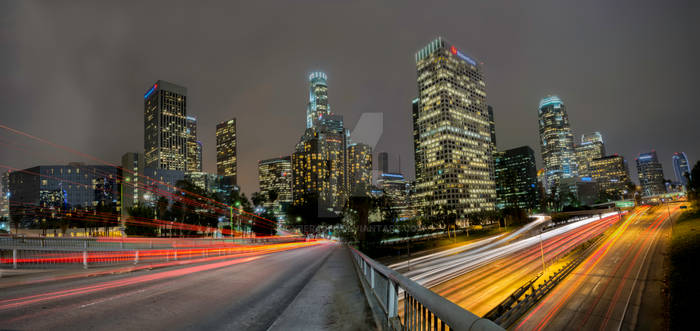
{"type": "Point", "coordinates": [542, 252]}
{"type": "Point", "coordinates": [231, 219]}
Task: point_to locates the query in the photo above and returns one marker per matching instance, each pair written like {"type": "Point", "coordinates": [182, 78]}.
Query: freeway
{"type": "Point", "coordinates": [245, 292]}
{"type": "Point", "coordinates": [480, 278]}
{"type": "Point", "coordinates": [618, 287]}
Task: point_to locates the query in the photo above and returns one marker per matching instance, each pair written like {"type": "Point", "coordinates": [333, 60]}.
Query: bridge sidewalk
{"type": "Point", "coordinates": [332, 300]}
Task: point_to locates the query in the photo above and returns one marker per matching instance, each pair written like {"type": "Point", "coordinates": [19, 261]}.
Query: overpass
{"type": "Point", "coordinates": [278, 284]}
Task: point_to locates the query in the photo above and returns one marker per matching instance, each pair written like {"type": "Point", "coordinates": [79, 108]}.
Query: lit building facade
{"type": "Point", "coordinates": [194, 147]}
{"type": "Point", "coordinates": [395, 187]}
{"type": "Point", "coordinates": [5, 195]}
{"type": "Point", "coordinates": [319, 163]}
{"type": "Point", "coordinates": [681, 167]}
{"type": "Point", "coordinates": [359, 169]}
{"type": "Point", "coordinates": [42, 190]}
{"type": "Point", "coordinates": [165, 121]}
{"type": "Point", "coordinates": [318, 98]}
{"type": "Point", "coordinates": [516, 178]}
{"type": "Point", "coordinates": [578, 191]}
{"type": "Point", "coordinates": [590, 148]}
{"type": "Point", "coordinates": [492, 125]}
{"type": "Point", "coordinates": [650, 174]}
{"type": "Point", "coordinates": [275, 175]}
{"type": "Point", "coordinates": [226, 150]}
{"type": "Point", "coordinates": [557, 143]}
{"type": "Point", "coordinates": [452, 136]}
{"type": "Point", "coordinates": [611, 175]}
{"type": "Point", "coordinates": [142, 185]}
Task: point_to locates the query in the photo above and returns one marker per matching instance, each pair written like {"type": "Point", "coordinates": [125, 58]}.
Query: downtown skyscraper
{"type": "Point", "coordinates": [557, 143]}
{"type": "Point", "coordinates": [650, 174]}
{"type": "Point", "coordinates": [275, 181]}
{"type": "Point", "coordinates": [452, 135]}
{"type": "Point", "coordinates": [165, 126]}
{"type": "Point", "coordinates": [590, 148]}
{"type": "Point", "coordinates": [516, 178]}
{"type": "Point", "coordinates": [681, 168]}
{"type": "Point", "coordinates": [194, 147]}
{"type": "Point", "coordinates": [319, 162]}
{"type": "Point", "coordinates": [226, 150]}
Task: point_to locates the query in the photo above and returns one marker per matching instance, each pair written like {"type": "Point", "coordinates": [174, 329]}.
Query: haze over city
{"type": "Point", "coordinates": [612, 64]}
{"type": "Point", "coordinates": [336, 165]}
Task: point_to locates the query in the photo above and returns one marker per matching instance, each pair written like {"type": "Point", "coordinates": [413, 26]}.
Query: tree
{"type": "Point", "coordinates": [258, 198]}
{"type": "Point", "coordinates": [694, 182]}
{"type": "Point", "coordinates": [134, 226]}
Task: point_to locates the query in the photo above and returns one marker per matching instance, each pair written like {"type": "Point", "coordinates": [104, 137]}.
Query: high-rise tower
{"type": "Point", "coordinates": [590, 148]}
{"type": "Point", "coordinates": [319, 163]}
{"type": "Point", "coordinates": [318, 98]}
{"type": "Point", "coordinates": [557, 143]}
{"type": "Point", "coordinates": [452, 136]}
{"type": "Point", "coordinates": [226, 144]}
{"type": "Point", "coordinates": [194, 147]}
{"type": "Point", "coordinates": [681, 167]}
{"type": "Point", "coordinates": [165, 127]}
{"type": "Point", "coordinates": [650, 174]}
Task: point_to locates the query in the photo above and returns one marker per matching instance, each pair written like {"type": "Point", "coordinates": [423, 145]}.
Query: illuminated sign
{"type": "Point", "coordinates": [318, 74]}
{"type": "Point", "coordinates": [586, 179]}
{"type": "Point", "coordinates": [624, 204]}
{"type": "Point", "coordinates": [645, 157]}
{"type": "Point", "coordinates": [455, 51]}
{"type": "Point", "coordinates": [155, 86]}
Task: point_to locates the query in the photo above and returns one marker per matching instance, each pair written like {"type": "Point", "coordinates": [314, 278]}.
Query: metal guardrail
{"type": "Point", "coordinates": [39, 252]}
{"type": "Point", "coordinates": [514, 313]}
{"type": "Point", "coordinates": [422, 308]}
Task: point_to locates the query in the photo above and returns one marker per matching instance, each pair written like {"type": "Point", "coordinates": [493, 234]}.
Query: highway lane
{"type": "Point", "coordinates": [482, 288]}
{"type": "Point", "coordinates": [471, 248]}
{"type": "Point", "coordinates": [435, 271]}
{"type": "Point", "coordinates": [243, 293]}
{"type": "Point", "coordinates": [617, 287]}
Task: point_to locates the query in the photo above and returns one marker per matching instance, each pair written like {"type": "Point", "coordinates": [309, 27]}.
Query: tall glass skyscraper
{"type": "Point", "coordinates": [452, 136]}
{"type": "Point", "coordinates": [226, 147]}
{"type": "Point", "coordinates": [590, 148]}
{"type": "Point", "coordinates": [319, 163]}
{"type": "Point", "coordinates": [275, 175]}
{"type": "Point", "coordinates": [318, 98]}
{"type": "Point", "coordinates": [557, 143]}
{"type": "Point", "coordinates": [650, 173]}
{"type": "Point", "coordinates": [516, 178]}
{"type": "Point", "coordinates": [359, 158]}
{"type": "Point", "coordinates": [681, 167]}
{"type": "Point", "coordinates": [194, 146]}
{"type": "Point", "coordinates": [165, 127]}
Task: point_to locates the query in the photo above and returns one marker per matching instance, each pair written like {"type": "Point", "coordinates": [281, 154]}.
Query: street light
{"type": "Point", "coordinates": [542, 252]}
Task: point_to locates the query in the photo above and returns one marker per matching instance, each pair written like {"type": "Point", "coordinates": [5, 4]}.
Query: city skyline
{"type": "Point", "coordinates": [389, 84]}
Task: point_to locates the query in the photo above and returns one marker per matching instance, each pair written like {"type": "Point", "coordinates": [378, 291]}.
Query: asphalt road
{"type": "Point", "coordinates": [247, 293]}
{"type": "Point", "coordinates": [619, 287]}
{"type": "Point", "coordinates": [483, 288]}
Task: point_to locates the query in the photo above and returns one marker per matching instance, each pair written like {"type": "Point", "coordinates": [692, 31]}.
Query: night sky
{"type": "Point", "coordinates": [75, 72]}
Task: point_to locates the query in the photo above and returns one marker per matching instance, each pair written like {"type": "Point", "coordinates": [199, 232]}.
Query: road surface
{"type": "Point", "coordinates": [245, 293]}
{"type": "Point", "coordinates": [480, 278]}
{"type": "Point", "coordinates": [617, 287]}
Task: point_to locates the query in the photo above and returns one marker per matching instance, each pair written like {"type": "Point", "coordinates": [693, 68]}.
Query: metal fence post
{"type": "Point", "coordinates": [136, 257]}
{"type": "Point", "coordinates": [85, 259]}
{"type": "Point", "coordinates": [371, 276]}
{"type": "Point", "coordinates": [14, 258]}
{"type": "Point", "coordinates": [175, 258]}
{"type": "Point", "coordinates": [392, 300]}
